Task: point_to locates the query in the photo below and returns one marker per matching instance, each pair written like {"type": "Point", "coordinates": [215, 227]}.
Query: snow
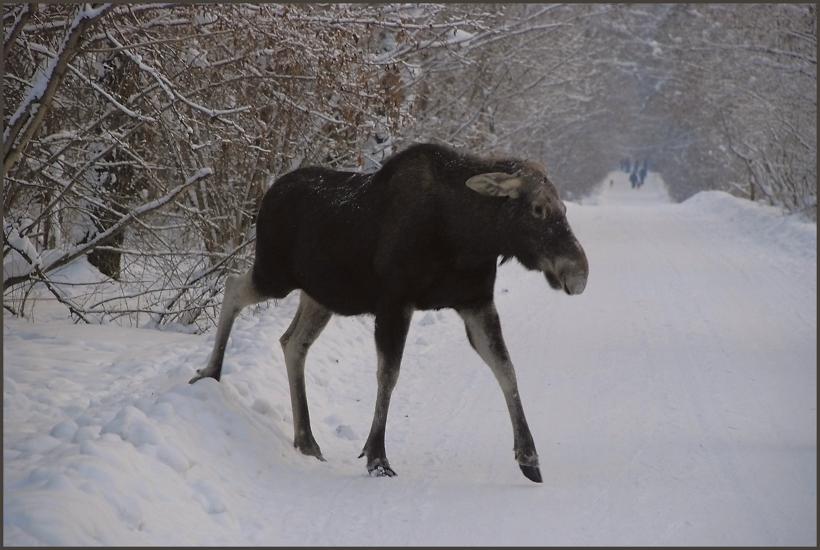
{"type": "Point", "coordinates": [673, 403]}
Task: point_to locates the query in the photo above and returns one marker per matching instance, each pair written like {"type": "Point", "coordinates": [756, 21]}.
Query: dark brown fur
{"type": "Point", "coordinates": [425, 231]}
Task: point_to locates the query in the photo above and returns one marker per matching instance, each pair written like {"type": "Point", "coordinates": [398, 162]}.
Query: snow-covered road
{"type": "Point", "coordinates": [673, 403]}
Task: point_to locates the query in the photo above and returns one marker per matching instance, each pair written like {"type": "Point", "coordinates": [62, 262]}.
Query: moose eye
{"type": "Point", "coordinates": [539, 211]}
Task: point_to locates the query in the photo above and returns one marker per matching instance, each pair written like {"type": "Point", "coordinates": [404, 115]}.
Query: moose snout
{"type": "Point", "coordinates": [575, 272]}
{"type": "Point", "coordinates": [568, 273]}
{"type": "Point", "coordinates": [575, 283]}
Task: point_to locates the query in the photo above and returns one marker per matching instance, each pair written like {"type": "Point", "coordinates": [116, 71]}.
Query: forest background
{"type": "Point", "coordinates": [144, 136]}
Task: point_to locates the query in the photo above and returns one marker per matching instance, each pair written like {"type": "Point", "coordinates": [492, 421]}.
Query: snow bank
{"type": "Point", "coordinates": [672, 403]}
{"type": "Point", "coordinates": [756, 221]}
{"type": "Point", "coordinates": [106, 443]}
{"type": "Point", "coordinates": [76, 280]}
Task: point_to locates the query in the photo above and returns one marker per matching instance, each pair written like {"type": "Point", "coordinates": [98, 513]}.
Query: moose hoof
{"type": "Point", "coordinates": [380, 470]}
{"type": "Point", "coordinates": [204, 373]}
{"type": "Point", "coordinates": [310, 450]}
{"type": "Point", "coordinates": [317, 455]}
{"type": "Point", "coordinates": [533, 473]}
{"type": "Point", "coordinates": [379, 467]}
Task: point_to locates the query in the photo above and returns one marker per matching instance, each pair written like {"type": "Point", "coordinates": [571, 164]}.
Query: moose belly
{"type": "Point", "coordinates": [454, 288]}
{"type": "Point", "coordinates": [342, 287]}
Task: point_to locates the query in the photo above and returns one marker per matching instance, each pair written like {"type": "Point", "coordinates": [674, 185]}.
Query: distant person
{"type": "Point", "coordinates": [642, 174]}
{"type": "Point", "coordinates": [633, 179]}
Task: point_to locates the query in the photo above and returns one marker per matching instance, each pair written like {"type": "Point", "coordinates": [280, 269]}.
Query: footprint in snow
{"type": "Point", "coordinates": [343, 431]}
{"type": "Point", "coordinates": [262, 406]}
{"type": "Point", "coordinates": [209, 497]}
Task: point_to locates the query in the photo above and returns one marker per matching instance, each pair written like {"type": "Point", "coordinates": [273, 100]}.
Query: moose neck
{"type": "Point", "coordinates": [485, 227]}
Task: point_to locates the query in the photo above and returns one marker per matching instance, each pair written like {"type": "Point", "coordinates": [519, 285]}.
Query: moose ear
{"type": "Point", "coordinates": [496, 184]}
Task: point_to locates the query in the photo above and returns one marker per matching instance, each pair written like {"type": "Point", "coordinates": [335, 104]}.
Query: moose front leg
{"type": "Point", "coordinates": [391, 332]}
{"type": "Point", "coordinates": [484, 333]}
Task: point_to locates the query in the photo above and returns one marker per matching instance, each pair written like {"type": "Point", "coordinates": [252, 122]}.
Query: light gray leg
{"type": "Point", "coordinates": [239, 293]}
{"type": "Point", "coordinates": [311, 318]}
{"type": "Point", "coordinates": [484, 332]}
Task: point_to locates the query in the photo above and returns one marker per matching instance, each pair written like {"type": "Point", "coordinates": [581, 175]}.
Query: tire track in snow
{"type": "Point", "coordinates": [721, 416]}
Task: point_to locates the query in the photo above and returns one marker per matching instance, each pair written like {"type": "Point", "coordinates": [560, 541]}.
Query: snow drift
{"type": "Point", "coordinates": [673, 403]}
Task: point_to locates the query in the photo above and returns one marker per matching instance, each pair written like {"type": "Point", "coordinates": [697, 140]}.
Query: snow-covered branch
{"type": "Point", "coordinates": [28, 116]}
{"type": "Point", "coordinates": [21, 16]}
{"type": "Point", "coordinates": [39, 48]}
{"type": "Point", "coordinates": [169, 87]}
{"type": "Point", "coordinates": [107, 235]}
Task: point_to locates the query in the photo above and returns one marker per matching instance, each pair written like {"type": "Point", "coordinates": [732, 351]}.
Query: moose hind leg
{"type": "Point", "coordinates": [391, 332]}
{"type": "Point", "coordinates": [484, 333]}
{"type": "Point", "coordinates": [239, 293]}
{"type": "Point", "coordinates": [311, 318]}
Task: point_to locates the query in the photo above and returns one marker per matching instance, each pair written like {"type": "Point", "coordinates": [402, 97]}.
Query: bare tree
{"type": "Point", "coordinates": [142, 137]}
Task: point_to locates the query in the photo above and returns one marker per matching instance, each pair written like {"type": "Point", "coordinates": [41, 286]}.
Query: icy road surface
{"type": "Point", "coordinates": [673, 403]}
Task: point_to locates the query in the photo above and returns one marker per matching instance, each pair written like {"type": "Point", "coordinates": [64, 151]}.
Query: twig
{"type": "Point", "coordinates": [115, 229]}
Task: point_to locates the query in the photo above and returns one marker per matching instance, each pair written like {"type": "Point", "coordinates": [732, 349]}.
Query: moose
{"type": "Point", "coordinates": [425, 231]}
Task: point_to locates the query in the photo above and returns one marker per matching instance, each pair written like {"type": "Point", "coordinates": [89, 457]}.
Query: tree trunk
{"type": "Point", "coordinates": [119, 185]}
{"type": "Point", "coordinates": [107, 261]}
